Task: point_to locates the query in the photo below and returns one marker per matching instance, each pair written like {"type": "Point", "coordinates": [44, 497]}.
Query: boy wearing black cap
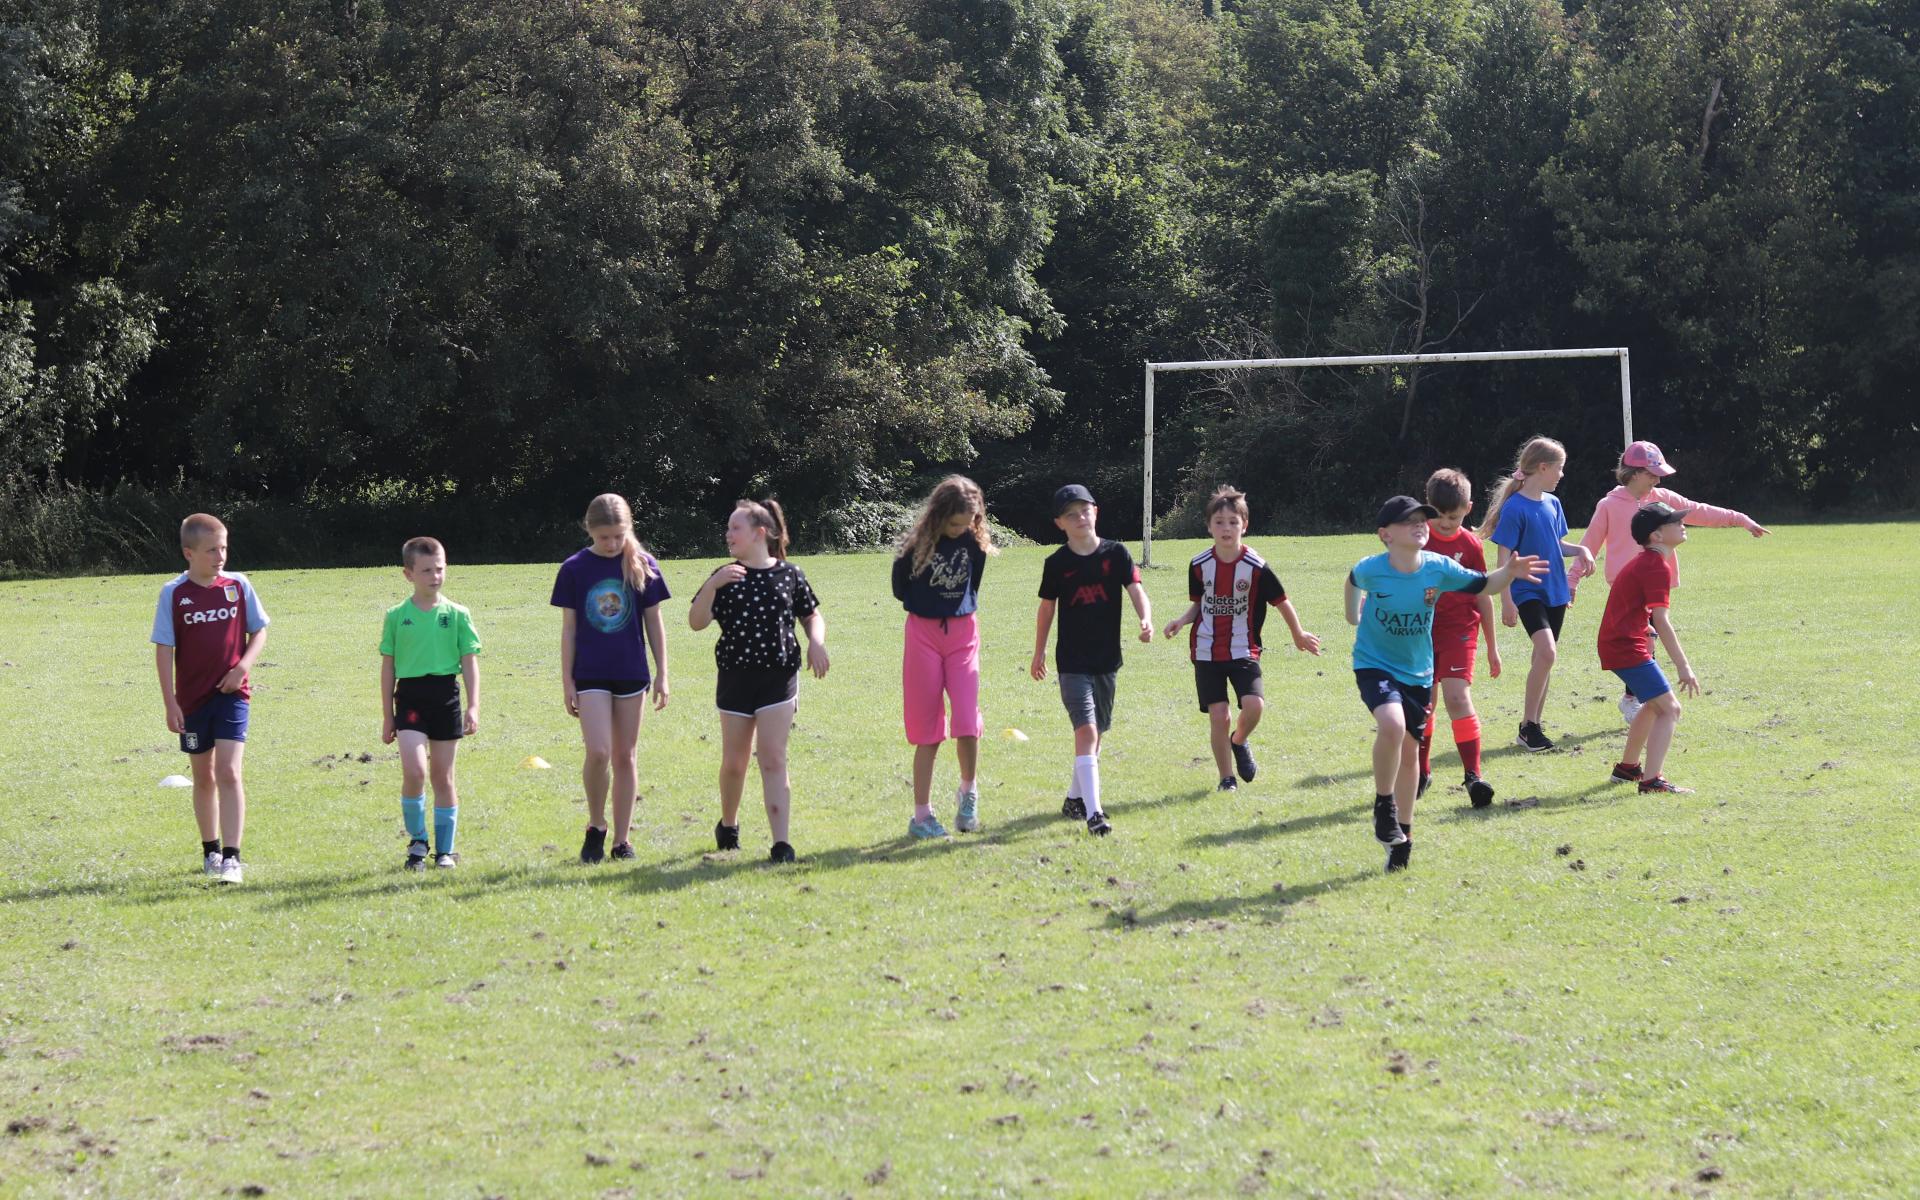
{"type": "Point", "coordinates": [1639, 597]}
{"type": "Point", "coordinates": [1084, 579]}
{"type": "Point", "coordinates": [1390, 599]}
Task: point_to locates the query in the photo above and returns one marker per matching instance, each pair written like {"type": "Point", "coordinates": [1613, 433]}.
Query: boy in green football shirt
{"type": "Point", "coordinates": [427, 644]}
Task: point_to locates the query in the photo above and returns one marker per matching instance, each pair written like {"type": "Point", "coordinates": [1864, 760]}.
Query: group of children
{"type": "Point", "coordinates": [1419, 607]}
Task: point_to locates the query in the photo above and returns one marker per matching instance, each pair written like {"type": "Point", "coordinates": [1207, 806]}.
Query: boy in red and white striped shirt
{"type": "Point", "coordinates": [1231, 587]}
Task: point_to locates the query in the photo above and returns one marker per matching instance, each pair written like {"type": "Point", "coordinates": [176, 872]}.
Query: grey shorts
{"type": "Point", "coordinates": [1088, 699]}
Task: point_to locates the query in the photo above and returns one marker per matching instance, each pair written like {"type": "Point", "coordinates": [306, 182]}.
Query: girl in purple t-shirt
{"type": "Point", "coordinates": [609, 598]}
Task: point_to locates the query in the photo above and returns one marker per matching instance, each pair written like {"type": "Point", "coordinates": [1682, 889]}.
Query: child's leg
{"type": "Point", "coordinates": [1458, 696]}
{"type": "Point", "coordinates": [596, 732]}
{"type": "Point", "coordinates": [923, 706]}
{"type": "Point", "coordinates": [1389, 743]}
{"type": "Point", "coordinates": [1406, 780]}
{"type": "Point", "coordinates": [1086, 765]}
{"type": "Point", "coordinates": [774, 725]}
{"type": "Point", "coordinates": [1639, 732]}
{"type": "Point", "coordinates": [413, 783]}
{"type": "Point", "coordinates": [961, 673]}
{"type": "Point", "coordinates": [206, 797]}
{"type": "Point", "coordinates": [446, 801]}
{"type": "Point", "coordinates": [736, 754]}
{"type": "Point", "coordinates": [923, 762]}
{"type": "Point", "coordinates": [1424, 763]}
{"type": "Point", "coordinates": [227, 758]}
{"type": "Point", "coordinates": [1545, 651]}
{"type": "Point", "coordinates": [627, 711]}
{"type": "Point", "coordinates": [1251, 709]}
{"type": "Point", "coordinates": [1219, 732]}
{"type": "Point", "coordinates": [1666, 708]}
{"type": "Point", "coordinates": [967, 751]}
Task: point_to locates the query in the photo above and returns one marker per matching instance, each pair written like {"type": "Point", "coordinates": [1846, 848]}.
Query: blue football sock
{"type": "Point", "coordinates": [413, 809]}
{"type": "Point", "coordinates": [443, 823]}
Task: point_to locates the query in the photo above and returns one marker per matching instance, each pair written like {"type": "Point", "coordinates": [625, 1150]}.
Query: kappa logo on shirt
{"type": "Point", "coordinates": [406, 621]}
{"type": "Point", "coordinates": [186, 601]}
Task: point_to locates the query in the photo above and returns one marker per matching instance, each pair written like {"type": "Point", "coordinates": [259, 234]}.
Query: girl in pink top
{"type": "Point", "coordinates": [1610, 533]}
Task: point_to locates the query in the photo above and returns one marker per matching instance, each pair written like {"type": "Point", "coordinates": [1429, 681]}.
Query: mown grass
{"type": "Point", "coordinates": [1578, 992]}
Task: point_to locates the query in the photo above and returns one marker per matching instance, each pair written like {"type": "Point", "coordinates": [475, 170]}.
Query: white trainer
{"type": "Point", "coordinates": [1629, 706]}
{"type": "Point", "coordinates": [446, 860]}
{"type": "Point", "coordinates": [231, 872]}
{"type": "Point", "coordinates": [212, 866]}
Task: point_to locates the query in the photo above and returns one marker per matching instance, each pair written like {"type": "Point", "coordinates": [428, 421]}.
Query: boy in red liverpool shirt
{"type": "Point", "coordinates": [1458, 620]}
{"type": "Point", "coordinates": [1640, 594]}
{"type": "Point", "coordinates": [208, 631]}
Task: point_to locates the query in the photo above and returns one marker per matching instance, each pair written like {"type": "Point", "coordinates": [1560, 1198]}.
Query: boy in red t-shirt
{"type": "Point", "coordinates": [1639, 596]}
{"type": "Point", "coordinates": [1458, 620]}
{"type": "Point", "coordinates": [208, 631]}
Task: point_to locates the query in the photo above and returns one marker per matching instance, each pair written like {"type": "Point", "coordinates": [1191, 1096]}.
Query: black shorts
{"type": "Point", "coordinates": [429, 704]}
{"type": "Point", "coordinates": [749, 691]}
{"type": "Point", "coordinates": [619, 689]}
{"type": "Point", "coordinates": [1210, 680]}
{"type": "Point", "coordinates": [1536, 615]}
{"type": "Point", "coordinates": [1377, 688]}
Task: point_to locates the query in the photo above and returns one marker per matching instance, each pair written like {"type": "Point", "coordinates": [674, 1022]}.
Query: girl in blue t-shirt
{"type": "Point", "coordinates": [609, 598]}
{"type": "Point", "coordinates": [1525, 517]}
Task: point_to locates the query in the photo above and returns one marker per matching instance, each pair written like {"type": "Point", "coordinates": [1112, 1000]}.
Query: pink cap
{"type": "Point", "coordinates": [1647, 457]}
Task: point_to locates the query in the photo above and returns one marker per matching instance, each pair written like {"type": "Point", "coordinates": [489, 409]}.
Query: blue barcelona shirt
{"type": "Point", "coordinates": [1396, 622]}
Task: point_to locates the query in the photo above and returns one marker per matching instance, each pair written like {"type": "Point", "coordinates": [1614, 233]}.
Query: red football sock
{"type": "Point", "coordinates": [1466, 735]}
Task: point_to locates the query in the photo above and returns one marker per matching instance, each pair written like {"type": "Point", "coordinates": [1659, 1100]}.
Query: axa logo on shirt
{"type": "Point", "coordinates": [206, 616]}
{"type": "Point", "coordinates": [1091, 593]}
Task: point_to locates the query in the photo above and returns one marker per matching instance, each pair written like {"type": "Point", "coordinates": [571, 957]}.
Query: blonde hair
{"type": "Point", "coordinates": [1228, 496]}
{"type": "Point", "coordinates": [198, 526]}
{"type": "Point", "coordinates": [766, 515]}
{"type": "Point", "coordinates": [949, 498]}
{"type": "Point", "coordinates": [1623, 474]}
{"type": "Point", "coordinates": [609, 510]}
{"type": "Point", "coordinates": [420, 547]}
{"type": "Point", "coordinates": [1535, 452]}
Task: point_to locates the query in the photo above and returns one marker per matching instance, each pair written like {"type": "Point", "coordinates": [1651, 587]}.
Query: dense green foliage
{"type": "Point", "coordinates": [508, 254]}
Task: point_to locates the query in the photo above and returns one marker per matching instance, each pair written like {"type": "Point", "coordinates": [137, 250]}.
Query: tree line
{"type": "Point", "coordinates": [469, 256]}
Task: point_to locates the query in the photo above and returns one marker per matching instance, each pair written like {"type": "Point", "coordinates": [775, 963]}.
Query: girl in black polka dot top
{"type": "Point", "coordinates": [757, 598]}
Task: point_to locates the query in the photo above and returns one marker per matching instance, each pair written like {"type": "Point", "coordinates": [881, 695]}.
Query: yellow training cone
{"type": "Point", "coordinates": [1013, 735]}
{"type": "Point", "coordinates": [533, 762]}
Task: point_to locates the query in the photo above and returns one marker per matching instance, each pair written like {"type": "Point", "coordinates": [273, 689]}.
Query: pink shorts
{"type": "Point", "coordinates": [937, 661]}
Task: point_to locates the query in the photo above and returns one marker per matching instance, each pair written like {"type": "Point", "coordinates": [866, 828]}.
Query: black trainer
{"type": "Point", "coordinates": [1386, 823]}
{"type": "Point", "coordinates": [1422, 789]}
{"type": "Point", "coordinates": [1533, 737]}
{"type": "Point", "coordinates": [417, 855]}
{"type": "Point", "coordinates": [1479, 791]}
{"type": "Point", "coordinates": [782, 853]}
{"type": "Point", "coordinates": [1227, 784]}
{"type": "Point", "coordinates": [594, 848]}
{"type": "Point", "coordinates": [1098, 825]}
{"type": "Point", "coordinates": [1074, 808]}
{"type": "Point", "coordinates": [623, 851]}
{"type": "Point", "coordinates": [1243, 760]}
{"type": "Point", "coordinates": [1399, 855]}
{"type": "Point", "coordinates": [725, 836]}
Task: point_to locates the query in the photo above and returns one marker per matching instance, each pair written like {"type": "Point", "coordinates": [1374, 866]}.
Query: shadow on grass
{"type": "Point", "coordinates": [1269, 904]}
{"type": "Point", "coordinates": [1515, 806]}
{"type": "Point", "coordinates": [1266, 829]}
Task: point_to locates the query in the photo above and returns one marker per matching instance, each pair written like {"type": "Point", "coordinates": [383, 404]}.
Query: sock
{"type": "Point", "coordinates": [966, 785]}
{"type": "Point", "coordinates": [444, 820]}
{"type": "Point", "coordinates": [212, 847]}
{"type": "Point", "coordinates": [1466, 736]}
{"type": "Point", "coordinates": [922, 811]}
{"type": "Point", "coordinates": [413, 810]}
{"type": "Point", "coordinates": [1426, 744]}
{"type": "Point", "coordinates": [1086, 772]}
{"type": "Point", "coordinates": [1073, 782]}
{"type": "Point", "coordinates": [230, 851]}
{"type": "Point", "coordinates": [1406, 827]}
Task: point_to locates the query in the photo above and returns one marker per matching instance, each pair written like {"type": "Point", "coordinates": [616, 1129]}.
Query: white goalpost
{"type": "Point", "coordinates": [1359, 360]}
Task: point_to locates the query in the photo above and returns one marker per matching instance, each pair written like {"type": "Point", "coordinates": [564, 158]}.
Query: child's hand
{"type": "Point", "coordinates": [1583, 559]}
{"type": "Point", "coordinates": [387, 732]}
{"type": "Point", "coordinates": [1173, 627]}
{"type": "Point", "coordinates": [570, 696]}
{"type": "Point", "coordinates": [660, 691]}
{"type": "Point", "coordinates": [1310, 642]}
{"type": "Point", "coordinates": [176, 720]}
{"type": "Point", "coordinates": [1509, 615]}
{"type": "Point", "coordinates": [471, 722]}
{"type": "Point", "coordinates": [1038, 667]}
{"type": "Point", "coordinates": [726, 576]}
{"type": "Point", "coordinates": [1527, 566]}
{"type": "Point", "coordinates": [1146, 631]}
{"type": "Point", "coordinates": [1756, 528]}
{"type": "Point", "coordinates": [231, 681]}
{"type": "Point", "coordinates": [1493, 661]}
{"type": "Point", "coordinates": [816, 654]}
{"type": "Point", "coordinates": [1689, 683]}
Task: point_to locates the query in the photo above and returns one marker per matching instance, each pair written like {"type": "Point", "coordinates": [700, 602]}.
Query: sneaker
{"type": "Point", "coordinates": [448, 862]}
{"type": "Point", "coordinates": [1243, 760]}
{"type": "Point", "coordinates": [1533, 737]}
{"type": "Point", "coordinates": [1627, 773]}
{"type": "Point", "coordinates": [726, 837]}
{"type": "Point", "coordinates": [1629, 706]}
{"type": "Point", "coordinates": [594, 848]}
{"type": "Point", "coordinates": [212, 865]}
{"type": "Point", "coordinates": [1074, 809]}
{"type": "Point", "coordinates": [782, 853]}
{"type": "Point", "coordinates": [967, 818]}
{"type": "Point", "coordinates": [1400, 855]}
{"type": "Point", "coordinates": [623, 851]}
{"type": "Point", "coordinates": [1098, 825]}
{"type": "Point", "coordinates": [231, 871]}
{"type": "Point", "coordinates": [1660, 783]}
{"type": "Point", "coordinates": [1421, 791]}
{"type": "Point", "coordinates": [1479, 791]}
{"type": "Point", "coordinates": [1386, 823]}
{"type": "Point", "coordinates": [1227, 784]}
{"type": "Point", "coordinates": [416, 854]}
{"type": "Point", "coordinates": [929, 828]}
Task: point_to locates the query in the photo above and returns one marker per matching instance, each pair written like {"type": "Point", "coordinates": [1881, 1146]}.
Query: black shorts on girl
{"type": "Point", "coordinates": [428, 704]}
{"type": "Point", "coordinates": [619, 689]}
{"type": "Point", "coordinates": [749, 691]}
{"type": "Point", "coordinates": [1536, 615]}
{"type": "Point", "coordinates": [1378, 688]}
{"type": "Point", "coordinates": [1210, 680]}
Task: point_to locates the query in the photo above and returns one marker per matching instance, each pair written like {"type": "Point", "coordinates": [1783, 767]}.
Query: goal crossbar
{"type": "Point", "coordinates": [1359, 360]}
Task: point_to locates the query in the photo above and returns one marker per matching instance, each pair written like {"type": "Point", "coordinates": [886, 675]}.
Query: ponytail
{"type": "Point", "coordinates": [767, 515]}
{"type": "Point", "coordinates": [610, 509]}
{"type": "Point", "coordinates": [1535, 452]}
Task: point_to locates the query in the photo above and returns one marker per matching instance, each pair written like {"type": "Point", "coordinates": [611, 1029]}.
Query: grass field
{"type": "Point", "coordinates": [1580, 991]}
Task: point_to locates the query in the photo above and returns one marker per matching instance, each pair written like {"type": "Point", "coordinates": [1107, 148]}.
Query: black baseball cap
{"type": "Point", "coordinates": [1073, 493]}
{"type": "Point", "coordinates": [1653, 516]}
{"type": "Point", "coordinates": [1399, 508]}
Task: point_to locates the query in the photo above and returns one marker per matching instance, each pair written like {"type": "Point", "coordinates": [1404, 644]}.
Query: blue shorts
{"type": "Point", "coordinates": [222, 718]}
{"type": "Point", "coordinates": [1646, 681]}
{"type": "Point", "coordinates": [1378, 688]}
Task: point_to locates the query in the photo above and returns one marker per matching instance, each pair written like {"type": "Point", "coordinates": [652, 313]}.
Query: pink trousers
{"type": "Point", "coordinates": [938, 661]}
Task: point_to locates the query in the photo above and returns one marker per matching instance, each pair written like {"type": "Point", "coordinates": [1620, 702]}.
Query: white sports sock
{"type": "Point", "coordinates": [966, 785]}
{"type": "Point", "coordinates": [1086, 773]}
{"type": "Point", "coordinates": [1073, 781]}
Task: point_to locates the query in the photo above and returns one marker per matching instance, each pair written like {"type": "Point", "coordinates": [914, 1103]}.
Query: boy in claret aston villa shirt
{"type": "Point", "coordinates": [208, 631]}
{"type": "Point", "coordinates": [1231, 587]}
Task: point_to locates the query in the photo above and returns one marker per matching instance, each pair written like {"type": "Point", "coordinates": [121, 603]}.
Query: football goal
{"type": "Point", "coordinates": [1359, 360]}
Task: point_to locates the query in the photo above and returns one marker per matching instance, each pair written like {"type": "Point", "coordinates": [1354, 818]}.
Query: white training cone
{"type": "Point", "coordinates": [1013, 735]}
{"type": "Point", "coordinates": [533, 762]}
{"type": "Point", "coordinates": [176, 781]}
